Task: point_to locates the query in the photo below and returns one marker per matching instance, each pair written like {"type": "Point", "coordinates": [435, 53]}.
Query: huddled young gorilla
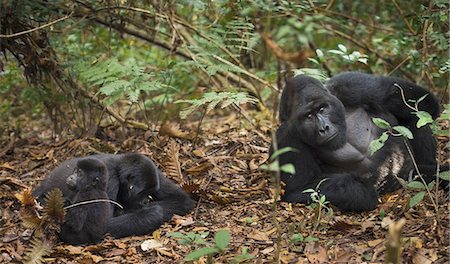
{"type": "Point", "coordinates": [331, 128]}
{"type": "Point", "coordinates": [147, 196]}
{"type": "Point", "coordinates": [85, 223]}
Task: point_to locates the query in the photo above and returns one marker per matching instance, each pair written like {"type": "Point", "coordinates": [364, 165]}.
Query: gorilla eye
{"type": "Point", "coordinates": [131, 187]}
{"type": "Point", "coordinates": [322, 109]}
{"type": "Point", "coordinates": [309, 115]}
{"type": "Point", "coordinates": [97, 179]}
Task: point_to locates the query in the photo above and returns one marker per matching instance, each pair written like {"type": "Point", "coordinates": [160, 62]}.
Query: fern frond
{"type": "Point", "coordinates": [173, 167]}
{"type": "Point", "coordinates": [212, 99]}
{"type": "Point", "coordinates": [31, 222]}
{"type": "Point", "coordinates": [54, 208]}
{"type": "Point", "coordinates": [39, 249]}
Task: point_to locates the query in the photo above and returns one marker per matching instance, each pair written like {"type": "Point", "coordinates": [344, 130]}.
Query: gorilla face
{"type": "Point", "coordinates": [138, 179]}
{"type": "Point", "coordinates": [317, 116]}
{"type": "Point", "coordinates": [88, 174]}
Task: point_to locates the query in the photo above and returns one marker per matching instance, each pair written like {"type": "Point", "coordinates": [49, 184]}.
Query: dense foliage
{"type": "Point", "coordinates": [80, 57]}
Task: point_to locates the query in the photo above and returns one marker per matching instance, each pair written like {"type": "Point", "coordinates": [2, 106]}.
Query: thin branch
{"type": "Point", "coordinates": [94, 201]}
{"type": "Point", "coordinates": [400, 11]}
{"type": "Point", "coordinates": [36, 28]}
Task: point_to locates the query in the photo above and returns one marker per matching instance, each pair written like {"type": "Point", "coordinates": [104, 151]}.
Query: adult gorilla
{"type": "Point", "coordinates": [331, 129]}
{"type": "Point", "coordinates": [148, 198]}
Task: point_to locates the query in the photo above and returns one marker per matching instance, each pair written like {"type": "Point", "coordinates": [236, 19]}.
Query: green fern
{"type": "Point", "coordinates": [212, 99]}
{"type": "Point", "coordinates": [116, 80]}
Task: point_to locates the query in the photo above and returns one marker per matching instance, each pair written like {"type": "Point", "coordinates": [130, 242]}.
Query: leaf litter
{"type": "Point", "coordinates": [219, 164]}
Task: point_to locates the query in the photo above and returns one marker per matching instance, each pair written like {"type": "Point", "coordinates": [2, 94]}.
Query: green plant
{"type": "Point", "coordinates": [117, 80]}
{"type": "Point", "coordinates": [274, 165]}
{"type": "Point", "coordinates": [298, 238]}
{"type": "Point", "coordinates": [220, 245]}
{"type": "Point", "coordinates": [190, 238]}
{"type": "Point", "coordinates": [212, 99]}
{"type": "Point", "coordinates": [221, 241]}
{"type": "Point", "coordinates": [244, 256]}
{"type": "Point", "coordinates": [319, 203]}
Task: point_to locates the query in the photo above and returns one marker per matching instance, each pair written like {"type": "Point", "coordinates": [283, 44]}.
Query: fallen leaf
{"type": "Point", "coordinates": [267, 250]}
{"type": "Point", "coordinates": [316, 253]}
{"type": "Point", "coordinates": [258, 235]}
{"type": "Point", "coordinates": [151, 244]}
{"type": "Point", "coordinates": [374, 243]}
{"type": "Point", "coordinates": [74, 250]}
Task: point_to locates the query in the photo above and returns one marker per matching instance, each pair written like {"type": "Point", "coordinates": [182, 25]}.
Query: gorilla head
{"type": "Point", "coordinates": [139, 178]}
{"type": "Point", "coordinates": [319, 116]}
{"type": "Point", "coordinates": [88, 174]}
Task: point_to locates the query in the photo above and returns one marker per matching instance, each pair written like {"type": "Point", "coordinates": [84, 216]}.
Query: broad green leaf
{"type": "Point", "coordinates": [243, 256]}
{"type": "Point", "coordinates": [311, 239]}
{"type": "Point", "coordinates": [381, 123]}
{"type": "Point", "coordinates": [274, 166]}
{"type": "Point", "coordinates": [424, 118]}
{"type": "Point", "coordinates": [421, 98]}
{"type": "Point", "coordinates": [404, 131]}
{"type": "Point", "coordinates": [416, 185]}
{"type": "Point", "coordinates": [296, 238]}
{"type": "Point", "coordinates": [177, 234]}
{"type": "Point", "coordinates": [310, 190]}
{"type": "Point", "coordinates": [282, 151]}
{"type": "Point", "coordinates": [445, 175]}
{"type": "Point", "coordinates": [288, 168]}
{"type": "Point", "coordinates": [200, 253]}
{"type": "Point", "coordinates": [342, 47]}
{"type": "Point", "coordinates": [413, 201]}
{"type": "Point", "coordinates": [319, 53]}
{"type": "Point", "coordinates": [378, 143]}
{"type": "Point", "coordinates": [222, 239]}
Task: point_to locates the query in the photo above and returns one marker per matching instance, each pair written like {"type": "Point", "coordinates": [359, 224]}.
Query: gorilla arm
{"type": "Point", "coordinates": [149, 215]}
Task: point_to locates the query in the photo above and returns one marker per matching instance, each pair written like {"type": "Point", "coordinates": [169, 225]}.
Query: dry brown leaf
{"type": "Point", "coordinates": [164, 252]}
{"type": "Point", "coordinates": [268, 250]}
{"type": "Point", "coordinates": [26, 198]}
{"type": "Point", "coordinates": [258, 235]}
{"type": "Point", "coordinates": [374, 243]}
{"type": "Point", "coordinates": [199, 153]}
{"type": "Point", "coordinates": [316, 253]}
{"type": "Point", "coordinates": [115, 252]}
{"type": "Point", "coordinates": [200, 168]}
{"type": "Point", "coordinates": [74, 250]}
{"type": "Point", "coordinates": [173, 130]}
{"type": "Point", "coordinates": [220, 199]}
{"type": "Point", "coordinates": [425, 256]}
{"type": "Point", "coordinates": [172, 164]}
{"type": "Point", "coordinates": [342, 226]}
{"type": "Point", "coordinates": [190, 187]}
{"type": "Point", "coordinates": [6, 165]}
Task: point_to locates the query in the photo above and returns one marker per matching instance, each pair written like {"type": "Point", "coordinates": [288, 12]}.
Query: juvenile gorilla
{"type": "Point", "coordinates": [147, 196]}
{"type": "Point", "coordinates": [85, 223]}
{"type": "Point", "coordinates": [331, 129]}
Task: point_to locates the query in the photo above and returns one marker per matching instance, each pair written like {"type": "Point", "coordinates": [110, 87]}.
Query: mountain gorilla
{"type": "Point", "coordinates": [147, 196]}
{"type": "Point", "coordinates": [331, 129]}
{"type": "Point", "coordinates": [85, 223]}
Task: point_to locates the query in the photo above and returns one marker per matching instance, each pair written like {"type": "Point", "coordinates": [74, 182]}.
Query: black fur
{"type": "Point", "coordinates": [86, 223]}
{"type": "Point", "coordinates": [331, 129]}
{"type": "Point", "coordinates": [148, 197]}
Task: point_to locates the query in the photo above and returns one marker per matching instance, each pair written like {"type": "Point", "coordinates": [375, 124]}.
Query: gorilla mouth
{"type": "Point", "coordinates": [324, 140]}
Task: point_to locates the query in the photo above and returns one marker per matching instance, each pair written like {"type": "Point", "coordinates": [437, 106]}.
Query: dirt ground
{"type": "Point", "coordinates": [220, 164]}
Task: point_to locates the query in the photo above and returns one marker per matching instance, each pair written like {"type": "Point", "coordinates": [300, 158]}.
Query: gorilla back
{"type": "Point", "coordinates": [332, 129]}
{"type": "Point", "coordinates": [147, 196]}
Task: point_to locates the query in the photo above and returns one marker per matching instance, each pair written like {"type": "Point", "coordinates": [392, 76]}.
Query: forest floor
{"type": "Point", "coordinates": [220, 164]}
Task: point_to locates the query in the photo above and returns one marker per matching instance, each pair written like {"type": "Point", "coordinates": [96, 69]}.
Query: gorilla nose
{"type": "Point", "coordinates": [324, 129]}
